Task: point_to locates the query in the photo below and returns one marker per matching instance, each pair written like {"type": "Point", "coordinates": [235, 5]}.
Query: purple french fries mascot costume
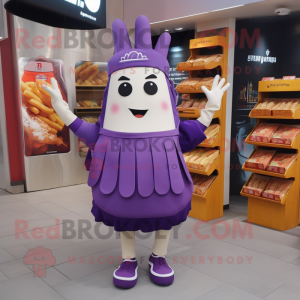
{"type": "Point", "coordinates": [137, 173]}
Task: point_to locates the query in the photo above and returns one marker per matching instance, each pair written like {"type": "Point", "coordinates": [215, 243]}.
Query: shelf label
{"type": "Point", "coordinates": [288, 77]}
{"type": "Point", "coordinates": [268, 78]}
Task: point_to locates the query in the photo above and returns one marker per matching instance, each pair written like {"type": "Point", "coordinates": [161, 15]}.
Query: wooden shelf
{"type": "Point", "coordinates": [280, 215]}
{"type": "Point", "coordinates": [295, 116]}
{"type": "Point", "coordinates": [214, 166]}
{"type": "Point", "coordinates": [194, 113]}
{"type": "Point", "coordinates": [88, 108]}
{"type": "Point", "coordinates": [291, 172]}
{"type": "Point", "coordinates": [215, 143]}
{"type": "Point", "coordinates": [279, 85]}
{"type": "Point", "coordinates": [209, 66]}
{"type": "Point", "coordinates": [78, 87]}
{"type": "Point", "coordinates": [282, 202]}
{"type": "Point", "coordinates": [90, 112]}
{"type": "Point", "coordinates": [189, 91]}
{"type": "Point", "coordinates": [295, 144]}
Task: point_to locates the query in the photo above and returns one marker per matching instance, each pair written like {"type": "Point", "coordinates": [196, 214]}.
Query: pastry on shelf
{"type": "Point", "coordinates": [281, 162]}
{"type": "Point", "coordinates": [90, 119]}
{"type": "Point", "coordinates": [195, 84]}
{"type": "Point", "coordinates": [277, 188]}
{"type": "Point", "coordinates": [202, 183]}
{"type": "Point", "coordinates": [285, 134]}
{"type": "Point", "coordinates": [286, 107]}
{"type": "Point", "coordinates": [211, 133]}
{"type": "Point", "coordinates": [203, 159]}
{"type": "Point", "coordinates": [203, 60]}
{"type": "Point", "coordinates": [260, 159]}
{"type": "Point", "coordinates": [263, 132]}
{"type": "Point", "coordinates": [264, 108]}
{"type": "Point", "coordinates": [256, 185]}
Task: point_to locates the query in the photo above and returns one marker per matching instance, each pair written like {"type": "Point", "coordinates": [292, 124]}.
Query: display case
{"type": "Point", "coordinates": [280, 215]}
{"type": "Point", "coordinates": [91, 80]}
{"type": "Point", "coordinates": [209, 206]}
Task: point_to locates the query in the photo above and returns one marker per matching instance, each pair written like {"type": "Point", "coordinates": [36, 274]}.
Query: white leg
{"type": "Point", "coordinates": [128, 244]}
{"type": "Point", "coordinates": [160, 247]}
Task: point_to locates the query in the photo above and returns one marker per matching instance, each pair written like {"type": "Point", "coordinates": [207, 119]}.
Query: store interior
{"type": "Point", "coordinates": [241, 239]}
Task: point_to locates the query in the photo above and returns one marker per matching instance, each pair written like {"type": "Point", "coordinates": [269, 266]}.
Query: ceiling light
{"type": "Point", "coordinates": [167, 30]}
{"type": "Point", "coordinates": [198, 14]}
{"type": "Point", "coordinates": [180, 28]}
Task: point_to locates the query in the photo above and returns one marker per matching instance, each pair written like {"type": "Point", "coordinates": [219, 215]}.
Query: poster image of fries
{"type": "Point", "coordinates": [91, 74]}
{"type": "Point", "coordinates": [44, 131]}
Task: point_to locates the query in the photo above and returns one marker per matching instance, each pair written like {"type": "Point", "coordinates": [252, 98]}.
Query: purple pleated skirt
{"type": "Point", "coordinates": [139, 183]}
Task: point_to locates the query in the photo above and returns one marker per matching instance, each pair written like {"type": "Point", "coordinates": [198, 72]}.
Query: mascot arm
{"type": "Point", "coordinates": [191, 134]}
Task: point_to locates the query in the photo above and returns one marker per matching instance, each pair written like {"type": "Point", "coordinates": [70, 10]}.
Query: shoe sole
{"type": "Point", "coordinates": [161, 280]}
{"type": "Point", "coordinates": [124, 284]}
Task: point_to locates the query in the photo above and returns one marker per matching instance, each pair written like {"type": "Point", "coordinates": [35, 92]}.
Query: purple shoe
{"type": "Point", "coordinates": [126, 275]}
{"type": "Point", "coordinates": [160, 272]}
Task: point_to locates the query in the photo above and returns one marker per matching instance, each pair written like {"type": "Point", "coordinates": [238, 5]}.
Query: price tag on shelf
{"type": "Point", "coordinates": [288, 77]}
{"type": "Point", "coordinates": [268, 78]}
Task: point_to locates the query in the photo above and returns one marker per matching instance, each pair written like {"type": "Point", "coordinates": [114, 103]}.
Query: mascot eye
{"type": "Point", "coordinates": [125, 89]}
{"type": "Point", "coordinates": [150, 88]}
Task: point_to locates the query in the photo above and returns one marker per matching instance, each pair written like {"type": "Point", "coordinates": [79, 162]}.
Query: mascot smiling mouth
{"type": "Point", "coordinates": [138, 113]}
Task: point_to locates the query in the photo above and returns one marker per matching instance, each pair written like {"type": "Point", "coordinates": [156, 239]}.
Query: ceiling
{"type": "Point", "coordinates": [259, 9]}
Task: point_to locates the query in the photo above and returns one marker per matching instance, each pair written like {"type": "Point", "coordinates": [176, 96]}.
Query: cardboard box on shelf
{"type": "Point", "coordinates": [260, 159]}
{"type": "Point", "coordinates": [277, 188]}
{"type": "Point", "coordinates": [264, 132]}
{"type": "Point", "coordinates": [281, 162]}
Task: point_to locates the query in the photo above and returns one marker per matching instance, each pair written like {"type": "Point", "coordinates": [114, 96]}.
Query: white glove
{"type": "Point", "coordinates": [214, 98]}
{"type": "Point", "coordinates": [60, 106]}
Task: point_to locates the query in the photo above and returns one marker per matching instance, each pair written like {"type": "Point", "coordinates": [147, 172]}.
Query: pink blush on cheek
{"type": "Point", "coordinates": [115, 108]}
{"type": "Point", "coordinates": [165, 105]}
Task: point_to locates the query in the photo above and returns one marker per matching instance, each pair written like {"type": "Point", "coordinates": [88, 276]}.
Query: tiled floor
{"type": "Point", "coordinates": [211, 261]}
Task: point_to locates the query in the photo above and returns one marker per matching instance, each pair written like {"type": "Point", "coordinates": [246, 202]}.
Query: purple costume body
{"type": "Point", "coordinates": [139, 180]}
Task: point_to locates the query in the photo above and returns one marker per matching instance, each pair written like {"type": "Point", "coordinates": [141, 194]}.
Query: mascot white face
{"type": "Point", "coordinates": [138, 101]}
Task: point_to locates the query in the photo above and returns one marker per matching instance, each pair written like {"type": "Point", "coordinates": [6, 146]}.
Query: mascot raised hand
{"type": "Point", "coordinates": [137, 173]}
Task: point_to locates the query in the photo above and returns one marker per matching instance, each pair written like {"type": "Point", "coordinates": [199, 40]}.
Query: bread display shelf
{"type": "Point", "coordinates": [194, 113]}
{"type": "Point", "coordinates": [78, 87]}
{"type": "Point", "coordinates": [279, 85]}
{"type": "Point", "coordinates": [214, 166]}
{"type": "Point", "coordinates": [282, 202]}
{"type": "Point", "coordinates": [215, 143]}
{"type": "Point", "coordinates": [291, 172]}
{"type": "Point", "coordinates": [296, 115]}
{"type": "Point", "coordinates": [182, 91]}
{"type": "Point", "coordinates": [209, 66]}
{"type": "Point", "coordinates": [90, 112]}
{"type": "Point", "coordinates": [88, 108]}
{"type": "Point", "coordinates": [295, 144]}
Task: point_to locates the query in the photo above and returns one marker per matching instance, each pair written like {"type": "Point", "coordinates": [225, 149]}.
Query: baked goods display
{"type": "Point", "coordinates": [264, 132]}
{"type": "Point", "coordinates": [90, 103]}
{"type": "Point", "coordinates": [193, 103]}
{"type": "Point", "coordinates": [195, 84]}
{"type": "Point", "coordinates": [256, 185]}
{"type": "Point", "coordinates": [89, 73]}
{"type": "Point", "coordinates": [211, 133]}
{"type": "Point", "coordinates": [276, 107]}
{"type": "Point", "coordinates": [260, 159]}
{"type": "Point", "coordinates": [285, 134]}
{"type": "Point", "coordinates": [281, 162]}
{"type": "Point", "coordinates": [277, 188]}
{"type": "Point", "coordinates": [202, 183]}
{"type": "Point", "coordinates": [275, 133]}
{"type": "Point", "coordinates": [201, 159]}
{"type": "Point", "coordinates": [201, 61]}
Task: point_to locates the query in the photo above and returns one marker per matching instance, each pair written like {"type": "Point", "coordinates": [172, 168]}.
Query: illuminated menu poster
{"type": "Point", "coordinates": [44, 131]}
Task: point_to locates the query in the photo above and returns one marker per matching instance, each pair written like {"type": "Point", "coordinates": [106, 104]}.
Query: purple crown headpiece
{"type": "Point", "coordinates": [143, 55]}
